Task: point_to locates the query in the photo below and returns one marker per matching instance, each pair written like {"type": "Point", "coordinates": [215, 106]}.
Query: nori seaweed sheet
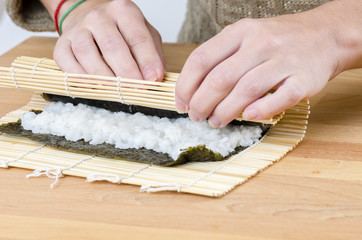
{"type": "Point", "coordinates": [192, 154]}
{"type": "Point", "coordinates": [113, 106]}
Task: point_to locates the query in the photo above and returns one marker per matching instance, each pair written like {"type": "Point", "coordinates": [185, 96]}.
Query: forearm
{"type": "Point", "coordinates": [344, 23]}
{"type": "Point", "coordinates": [51, 6]}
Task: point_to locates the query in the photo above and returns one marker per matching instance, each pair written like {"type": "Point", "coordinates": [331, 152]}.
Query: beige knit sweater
{"type": "Point", "coordinates": [30, 15]}
{"type": "Point", "coordinates": [204, 18]}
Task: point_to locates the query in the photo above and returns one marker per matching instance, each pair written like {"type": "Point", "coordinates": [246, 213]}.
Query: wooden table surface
{"type": "Point", "coordinates": [315, 192]}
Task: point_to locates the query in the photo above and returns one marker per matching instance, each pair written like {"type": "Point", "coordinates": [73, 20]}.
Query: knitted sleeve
{"type": "Point", "coordinates": [206, 18]}
{"type": "Point", "coordinates": [198, 25]}
{"type": "Point", "coordinates": [30, 15]}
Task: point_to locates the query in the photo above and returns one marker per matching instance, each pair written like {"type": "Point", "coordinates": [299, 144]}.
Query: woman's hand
{"type": "Point", "coordinates": [295, 55]}
{"type": "Point", "coordinates": [109, 38]}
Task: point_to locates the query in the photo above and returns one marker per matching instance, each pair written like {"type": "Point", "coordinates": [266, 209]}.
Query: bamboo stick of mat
{"type": "Point", "coordinates": [44, 76]}
{"type": "Point", "coordinates": [212, 179]}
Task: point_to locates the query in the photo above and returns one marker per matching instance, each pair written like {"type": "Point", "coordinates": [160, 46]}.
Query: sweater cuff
{"type": "Point", "coordinates": [30, 15]}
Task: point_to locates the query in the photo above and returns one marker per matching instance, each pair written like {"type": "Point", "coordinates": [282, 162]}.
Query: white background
{"type": "Point", "coordinates": [165, 15]}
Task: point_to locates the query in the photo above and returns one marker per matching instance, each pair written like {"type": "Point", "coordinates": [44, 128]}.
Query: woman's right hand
{"type": "Point", "coordinates": [106, 37]}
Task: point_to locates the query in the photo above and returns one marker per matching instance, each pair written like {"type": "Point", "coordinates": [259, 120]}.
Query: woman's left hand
{"type": "Point", "coordinates": [231, 73]}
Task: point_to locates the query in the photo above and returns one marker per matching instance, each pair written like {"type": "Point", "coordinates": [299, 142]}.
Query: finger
{"type": "Point", "coordinates": [288, 95]}
{"type": "Point", "coordinates": [142, 46]}
{"type": "Point", "coordinates": [64, 57]}
{"type": "Point", "coordinates": [87, 54]}
{"type": "Point", "coordinates": [157, 39]}
{"type": "Point", "coordinates": [115, 51]}
{"type": "Point", "coordinates": [220, 82]}
{"type": "Point", "coordinates": [253, 85]}
{"type": "Point", "coordinates": [199, 64]}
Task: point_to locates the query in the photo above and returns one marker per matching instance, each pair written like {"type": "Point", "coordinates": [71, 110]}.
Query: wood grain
{"type": "Point", "coordinates": [315, 192]}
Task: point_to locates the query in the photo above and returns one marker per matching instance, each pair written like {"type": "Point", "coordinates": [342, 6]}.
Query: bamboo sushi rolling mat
{"type": "Point", "coordinates": [44, 75]}
{"type": "Point", "coordinates": [212, 179]}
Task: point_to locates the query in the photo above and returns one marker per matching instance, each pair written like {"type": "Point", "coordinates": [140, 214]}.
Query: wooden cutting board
{"type": "Point", "coordinates": [315, 192]}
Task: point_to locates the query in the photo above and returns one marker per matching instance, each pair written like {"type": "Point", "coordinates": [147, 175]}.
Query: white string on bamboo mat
{"type": "Point", "coordinates": [37, 63]}
{"type": "Point", "coordinates": [14, 78]}
{"type": "Point", "coordinates": [66, 84]}
{"type": "Point", "coordinates": [56, 172]}
{"type": "Point", "coordinates": [119, 88]}
{"type": "Point", "coordinates": [160, 187]}
{"type": "Point", "coordinates": [113, 178]}
{"type": "Point", "coordinates": [5, 164]}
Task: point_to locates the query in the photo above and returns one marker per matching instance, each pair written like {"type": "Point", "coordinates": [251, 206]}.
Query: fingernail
{"type": "Point", "coordinates": [214, 122]}
{"type": "Point", "coordinates": [193, 116]}
{"type": "Point", "coordinates": [250, 114]}
{"type": "Point", "coordinates": [180, 106]}
{"type": "Point", "coordinates": [180, 111]}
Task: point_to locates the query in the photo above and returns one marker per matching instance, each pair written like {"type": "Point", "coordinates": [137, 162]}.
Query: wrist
{"type": "Point", "coordinates": [65, 14]}
{"type": "Point", "coordinates": [75, 11]}
{"type": "Point", "coordinates": [342, 21]}
{"type": "Point", "coordinates": [57, 8]}
{"type": "Point", "coordinates": [66, 5]}
{"type": "Point", "coordinates": [51, 6]}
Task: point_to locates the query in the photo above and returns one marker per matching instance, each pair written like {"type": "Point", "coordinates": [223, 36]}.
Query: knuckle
{"type": "Point", "coordinates": [248, 24]}
{"type": "Point", "coordinates": [182, 92]}
{"type": "Point", "coordinates": [108, 44]}
{"type": "Point", "coordinates": [198, 59]}
{"type": "Point", "coordinates": [248, 21]}
{"type": "Point", "coordinates": [181, 97]}
{"type": "Point", "coordinates": [147, 67]}
{"type": "Point", "coordinates": [220, 80]}
{"type": "Point", "coordinates": [229, 29]}
{"type": "Point", "coordinates": [262, 33]}
{"type": "Point", "coordinates": [137, 39]}
{"type": "Point", "coordinates": [267, 112]}
{"type": "Point", "coordinates": [230, 32]}
{"type": "Point", "coordinates": [155, 65]}
{"type": "Point", "coordinates": [294, 94]}
{"type": "Point", "coordinates": [58, 59]}
{"type": "Point", "coordinates": [223, 116]}
{"type": "Point", "coordinates": [126, 8]}
{"type": "Point", "coordinates": [81, 47]}
{"type": "Point", "coordinates": [271, 41]}
{"type": "Point", "coordinates": [251, 88]}
{"type": "Point", "coordinates": [197, 107]}
{"type": "Point", "coordinates": [94, 15]}
{"type": "Point", "coordinates": [121, 4]}
{"type": "Point", "coordinates": [157, 35]}
{"type": "Point", "coordinates": [57, 54]}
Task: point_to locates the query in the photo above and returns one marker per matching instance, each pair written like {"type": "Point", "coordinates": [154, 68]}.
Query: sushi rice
{"type": "Point", "coordinates": [124, 130]}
